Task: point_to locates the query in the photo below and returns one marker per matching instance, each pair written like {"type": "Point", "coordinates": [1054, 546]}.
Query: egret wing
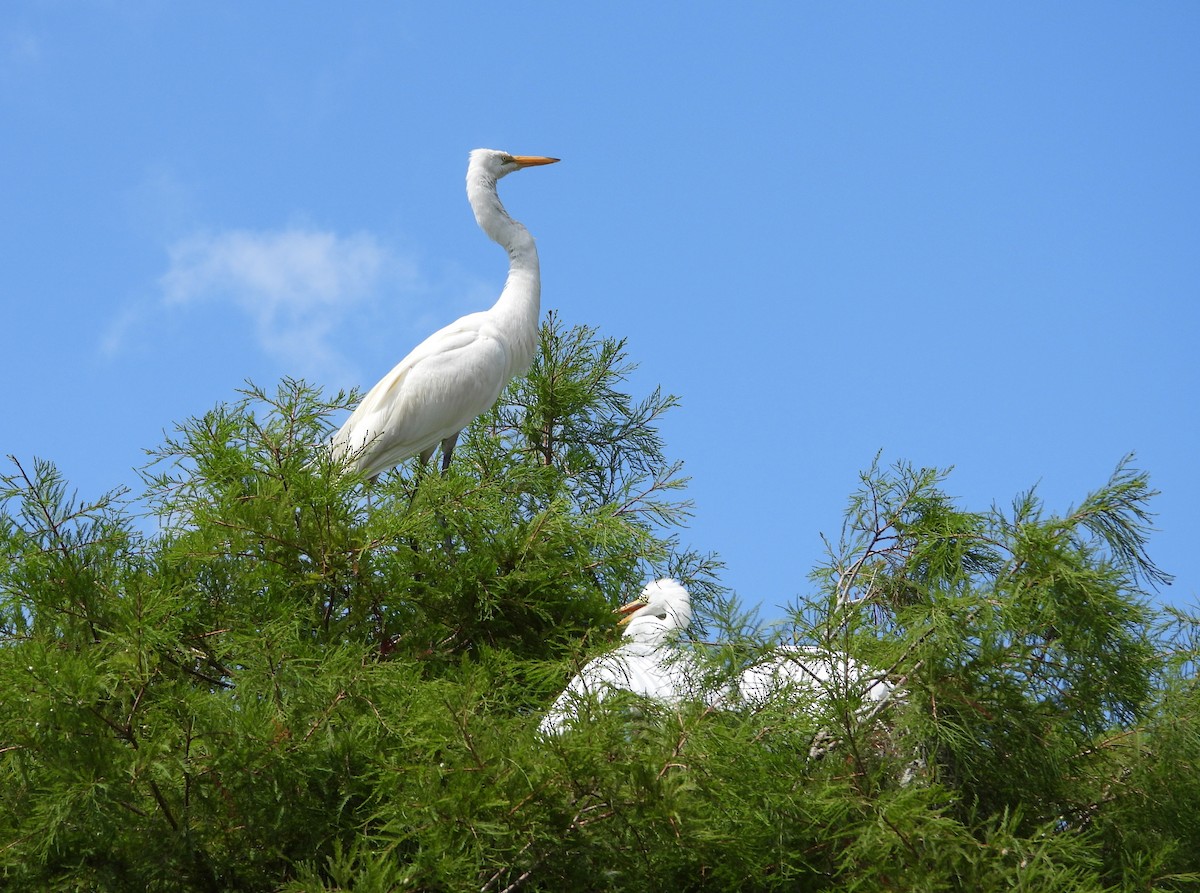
{"type": "Point", "coordinates": [445, 382]}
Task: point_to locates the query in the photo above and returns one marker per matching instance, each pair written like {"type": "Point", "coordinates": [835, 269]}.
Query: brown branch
{"type": "Point", "coordinates": [316, 724]}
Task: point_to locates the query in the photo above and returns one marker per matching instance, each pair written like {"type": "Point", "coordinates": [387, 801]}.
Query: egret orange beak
{"type": "Point", "coordinates": [628, 610]}
{"type": "Point", "coordinates": [533, 160]}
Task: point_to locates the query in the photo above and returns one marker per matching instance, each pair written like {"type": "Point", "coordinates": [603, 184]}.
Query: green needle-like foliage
{"type": "Point", "coordinates": [264, 674]}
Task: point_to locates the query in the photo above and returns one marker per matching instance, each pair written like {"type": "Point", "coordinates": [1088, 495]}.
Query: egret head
{"type": "Point", "coordinates": [495, 164]}
{"type": "Point", "coordinates": [663, 607]}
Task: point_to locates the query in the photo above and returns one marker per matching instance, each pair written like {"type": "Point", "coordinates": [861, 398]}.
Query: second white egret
{"type": "Point", "coordinates": [645, 663]}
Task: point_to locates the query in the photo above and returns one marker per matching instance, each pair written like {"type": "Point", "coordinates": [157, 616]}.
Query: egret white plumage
{"type": "Point", "coordinates": [803, 679]}
{"type": "Point", "coordinates": [645, 664]}
{"type": "Point", "coordinates": [801, 673]}
{"type": "Point", "coordinates": [458, 372]}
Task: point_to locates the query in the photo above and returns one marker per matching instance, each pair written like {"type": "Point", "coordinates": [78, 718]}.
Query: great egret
{"type": "Point", "coordinates": [458, 372]}
{"type": "Point", "coordinates": [645, 663]}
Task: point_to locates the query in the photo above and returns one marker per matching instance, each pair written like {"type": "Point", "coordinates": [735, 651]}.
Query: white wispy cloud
{"type": "Point", "coordinates": [296, 285]}
{"type": "Point", "coordinates": [333, 308]}
{"type": "Point", "coordinates": [293, 271]}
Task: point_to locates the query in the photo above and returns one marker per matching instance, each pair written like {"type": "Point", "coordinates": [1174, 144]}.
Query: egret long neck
{"type": "Point", "coordinates": [519, 306]}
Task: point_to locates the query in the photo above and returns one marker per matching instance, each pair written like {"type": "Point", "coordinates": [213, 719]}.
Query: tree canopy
{"type": "Point", "coordinates": [258, 673]}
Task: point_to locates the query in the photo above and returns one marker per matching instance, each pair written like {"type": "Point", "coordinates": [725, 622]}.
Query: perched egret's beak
{"type": "Point", "coordinates": [629, 610]}
{"type": "Point", "coordinates": [532, 160]}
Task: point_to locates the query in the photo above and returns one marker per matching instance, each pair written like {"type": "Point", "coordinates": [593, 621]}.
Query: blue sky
{"type": "Point", "coordinates": [962, 234]}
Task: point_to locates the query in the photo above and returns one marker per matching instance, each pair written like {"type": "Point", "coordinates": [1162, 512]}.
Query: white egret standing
{"type": "Point", "coordinates": [645, 663]}
{"type": "Point", "coordinates": [458, 372]}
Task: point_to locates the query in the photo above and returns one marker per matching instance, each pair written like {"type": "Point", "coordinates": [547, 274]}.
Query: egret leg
{"type": "Point", "coordinates": [448, 450]}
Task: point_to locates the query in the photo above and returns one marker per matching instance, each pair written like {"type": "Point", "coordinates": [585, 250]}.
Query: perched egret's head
{"type": "Point", "coordinates": [663, 607]}
{"type": "Point", "coordinates": [496, 164]}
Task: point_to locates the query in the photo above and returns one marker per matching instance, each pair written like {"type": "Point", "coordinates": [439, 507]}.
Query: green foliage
{"type": "Point", "coordinates": [261, 674]}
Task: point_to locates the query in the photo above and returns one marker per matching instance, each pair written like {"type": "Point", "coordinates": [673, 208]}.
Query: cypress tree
{"type": "Point", "coordinates": [259, 673]}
